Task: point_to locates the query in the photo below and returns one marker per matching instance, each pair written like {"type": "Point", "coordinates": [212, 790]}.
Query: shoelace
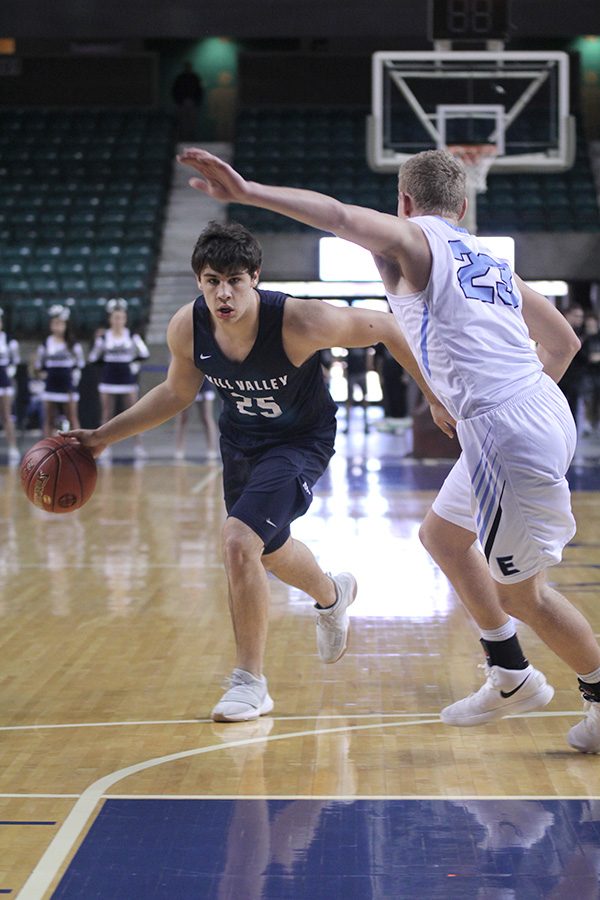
{"type": "Point", "coordinates": [491, 679]}
{"type": "Point", "coordinates": [234, 680]}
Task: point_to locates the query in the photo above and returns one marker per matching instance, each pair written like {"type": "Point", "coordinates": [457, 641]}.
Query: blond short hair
{"type": "Point", "coordinates": [436, 181]}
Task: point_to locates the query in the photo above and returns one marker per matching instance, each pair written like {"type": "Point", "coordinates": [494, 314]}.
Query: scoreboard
{"type": "Point", "coordinates": [469, 20]}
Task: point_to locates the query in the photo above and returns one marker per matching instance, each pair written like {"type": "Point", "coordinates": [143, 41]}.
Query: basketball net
{"type": "Point", "coordinates": [477, 160]}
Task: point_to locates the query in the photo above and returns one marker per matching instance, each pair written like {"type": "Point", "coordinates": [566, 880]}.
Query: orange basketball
{"type": "Point", "coordinates": [58, 475]}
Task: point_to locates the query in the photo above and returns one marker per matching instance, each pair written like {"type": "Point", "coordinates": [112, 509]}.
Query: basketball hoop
{"type": "Point", "coordinates": [477, 160]}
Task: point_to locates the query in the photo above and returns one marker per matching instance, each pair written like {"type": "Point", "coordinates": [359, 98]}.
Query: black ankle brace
{"type": "Point", "coordinates": [591, 692]}
{"type": "Point", "coordinates": [506, 654]}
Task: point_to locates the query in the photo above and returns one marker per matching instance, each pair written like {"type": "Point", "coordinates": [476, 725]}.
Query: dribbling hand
{"type": "Point", "coordinates": [87, 438]}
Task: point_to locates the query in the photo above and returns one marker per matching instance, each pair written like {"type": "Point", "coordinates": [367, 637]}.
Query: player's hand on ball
{"type": "Point", "coordinates": [88, 438]}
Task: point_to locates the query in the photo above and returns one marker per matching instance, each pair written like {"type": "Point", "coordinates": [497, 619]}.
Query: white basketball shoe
{"type": "Point", "coordinates": [246, 698]}
{"type": "Point", "coordinates": [505, 692]}
{"type": "Point", "coordinates": [333, 622]}
{"type": "Point", "coordinates": [585, 736]}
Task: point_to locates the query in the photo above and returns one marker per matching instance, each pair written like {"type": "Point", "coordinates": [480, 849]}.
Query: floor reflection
{"type": "Point", "coordinates": [262, 849]}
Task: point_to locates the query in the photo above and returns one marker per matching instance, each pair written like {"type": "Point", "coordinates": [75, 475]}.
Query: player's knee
{"type": "Point", "coordinates": [525, 599]}
{"type": "Point", "coordinates": [430, 537]}
{"type": "Point", "coordinates": [240, 545]}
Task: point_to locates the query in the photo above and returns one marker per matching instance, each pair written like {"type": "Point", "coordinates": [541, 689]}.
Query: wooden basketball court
{"type": "Point", "coordinates": [115, 640]}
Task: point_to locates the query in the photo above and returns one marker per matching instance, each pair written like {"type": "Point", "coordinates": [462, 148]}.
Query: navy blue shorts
{"type": "Point", "coordinates": [268, 489]}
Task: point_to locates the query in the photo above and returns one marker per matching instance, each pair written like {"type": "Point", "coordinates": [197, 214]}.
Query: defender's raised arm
{"type": "Point", "coordinates": [382, 234]}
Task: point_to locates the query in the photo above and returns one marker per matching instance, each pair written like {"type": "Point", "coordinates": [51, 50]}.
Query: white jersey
{"type": "Point", "coordinates": [55, 353]}
{"type": "Point", "coordinates": [9, 351]}
{"type": "Point", "coordinates": [122, 348]}
{"type": "Point", "coordinates": [466, 329]}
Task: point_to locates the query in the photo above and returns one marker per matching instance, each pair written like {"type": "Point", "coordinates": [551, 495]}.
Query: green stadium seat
{"type": "Point", "coordinates": [103, 284]}
{"type": "Point", "coordinates": [28, 318]}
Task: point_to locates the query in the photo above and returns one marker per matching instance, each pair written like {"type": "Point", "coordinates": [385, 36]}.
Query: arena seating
{"type": "Point", "coordinates": [82, 199]}
{"type": "Point", "coordinates": [324, 149]}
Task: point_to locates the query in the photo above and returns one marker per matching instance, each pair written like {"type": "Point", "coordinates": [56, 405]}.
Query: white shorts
{"type": "Point", "coordinates": [509, 485]}
{"type": "Point", "coordinates": [7, 392]}
{"type": "Point", "coordinates": [123, 389]}
{"type": "Point", "coordinates": [55, 397]}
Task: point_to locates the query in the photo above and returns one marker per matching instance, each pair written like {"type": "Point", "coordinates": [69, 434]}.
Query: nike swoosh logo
{"type": "Point", "coordinates": [268, 521]}
{"type": "Point", "coordinates": [507, 694]}
{"type": "Point", "coordinates": [203, 356]}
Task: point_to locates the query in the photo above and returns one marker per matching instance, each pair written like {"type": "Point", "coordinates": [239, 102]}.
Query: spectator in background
{"type": "Point", "coordinates": [119, 352]}
{"type": "Point", "coordinates": [187, 93]}
{"type": "Point", "coordinates": [205, 404]}
{"type": "Point", "coordinates": [59, 361]}
{"type": "Point", "coordinates": [590, 350]}
{"type": "Point", "coordinates": [571, 384]}
{"type": "Point", "coordinates": [9, 360]}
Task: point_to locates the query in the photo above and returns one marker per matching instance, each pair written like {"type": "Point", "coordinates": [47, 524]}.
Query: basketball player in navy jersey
{"type": "Point", "coordinates": [259, 350]}
{"type": "Point", "coordinates": [469, 320]}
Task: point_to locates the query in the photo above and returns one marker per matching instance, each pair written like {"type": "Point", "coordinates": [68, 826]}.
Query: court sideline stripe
{"type": "Point", "coordinates": [282, 719]}
{"type": "Point", "coordinates": [334, 797]}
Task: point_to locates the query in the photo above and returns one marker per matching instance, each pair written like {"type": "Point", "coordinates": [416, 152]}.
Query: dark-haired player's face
{"type": "Point", "coordinates": [228, 295]}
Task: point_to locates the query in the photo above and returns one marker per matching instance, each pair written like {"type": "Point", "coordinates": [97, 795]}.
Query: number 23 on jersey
{"type": "Point", "coordinates": [481, 277]}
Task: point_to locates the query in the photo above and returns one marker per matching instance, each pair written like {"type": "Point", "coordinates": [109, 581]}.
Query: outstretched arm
{"type": "Point", "coordinates": [311, 325]}
{"type": "Point", "coordinates": [162, 402]}
{"type": "Point", "coordinates": [381, 234]}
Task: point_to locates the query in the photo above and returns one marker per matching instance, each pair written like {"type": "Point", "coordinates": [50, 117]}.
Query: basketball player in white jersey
{"type": "Point", "coordinates": [468, 320]}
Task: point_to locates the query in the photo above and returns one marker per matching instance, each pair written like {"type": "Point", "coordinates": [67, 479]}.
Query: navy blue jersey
{"type": "Point", "coordinates": [267, 400]}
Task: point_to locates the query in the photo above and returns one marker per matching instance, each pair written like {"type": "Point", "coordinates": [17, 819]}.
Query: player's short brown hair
{"type": "Point", "coordinates": [226, 248]}
{"type": "Point", "coordinates": [436, 181]}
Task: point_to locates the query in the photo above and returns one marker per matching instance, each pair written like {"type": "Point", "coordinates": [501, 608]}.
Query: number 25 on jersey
{"type": "Point", "coordinates": [257, 406]}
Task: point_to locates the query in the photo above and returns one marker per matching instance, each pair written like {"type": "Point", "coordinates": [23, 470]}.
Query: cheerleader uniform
{"type": "Point", "coordinates": [9, 360]}
{"type": "Point", "coordinates": [62, 365]}
{"type": "Point", "coordinates": [119, 355]}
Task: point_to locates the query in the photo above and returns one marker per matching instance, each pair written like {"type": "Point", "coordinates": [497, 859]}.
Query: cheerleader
{"type": "Point", "coordinates": [59, 360]}
{"type": "Point", "coordinates": [9, 360]}
{"type": "Point", "coordinates": [119, 352]}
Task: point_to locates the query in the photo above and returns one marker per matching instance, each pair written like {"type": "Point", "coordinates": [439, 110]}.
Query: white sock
{"type": "Point", "coordinates": [503, 633]}
{"type": "Point", "coordinates": [592, 678]}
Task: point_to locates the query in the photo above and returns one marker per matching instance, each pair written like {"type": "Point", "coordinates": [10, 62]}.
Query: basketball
{"type": "Point", "coordinates": [58, 475]}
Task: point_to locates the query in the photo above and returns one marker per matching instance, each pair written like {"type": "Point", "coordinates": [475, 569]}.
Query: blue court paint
{"type": "Point", "coordinates": [337, 850]}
